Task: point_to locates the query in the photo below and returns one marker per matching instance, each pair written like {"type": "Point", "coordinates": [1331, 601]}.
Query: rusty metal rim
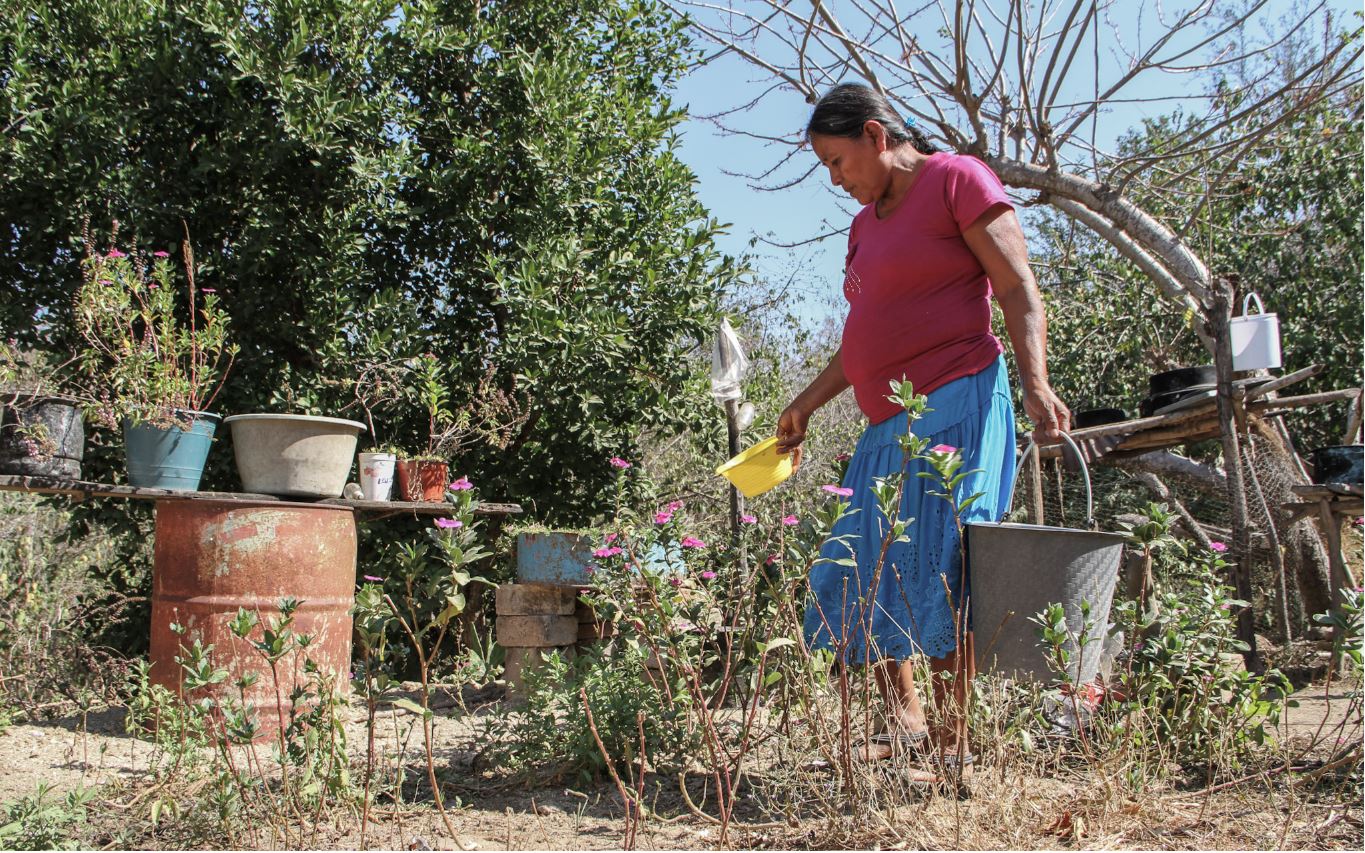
{"type": "Point", "coordinates": [266, 602]}
{"type": "Point", "coordinates": [233, 503]}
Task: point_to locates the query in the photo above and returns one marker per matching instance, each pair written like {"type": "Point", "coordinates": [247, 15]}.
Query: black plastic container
{"type": "Point", "coordinates": [1182, 379]}
{"type": "Point", "coordinates": [1341, 463]}
{"type": "Point", "coordinates": [41, 436]}
{"type": "Point", "coordinates": [1098, 417]}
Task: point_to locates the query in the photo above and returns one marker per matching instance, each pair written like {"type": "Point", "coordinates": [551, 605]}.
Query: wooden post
{"type": "Point", "coordinates": [1338, 574]}
{"type": "Point", "coordinates": [1228, 418]}
{"type": "Point", "coordinates": [1354, 419]}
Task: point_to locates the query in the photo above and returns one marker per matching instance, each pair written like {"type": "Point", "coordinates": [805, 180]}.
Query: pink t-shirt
{"type": "Point", "coordinates": [918, 299]}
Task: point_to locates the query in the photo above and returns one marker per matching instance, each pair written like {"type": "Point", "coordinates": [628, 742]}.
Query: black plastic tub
{"type": "Point", "coordinates": [1340, 463]}
{"type": "Point", "coordinates": [1098, 417]}
{"type": "Point", "coordinates": [1182, 379]}
{"type": "Point", "coordinates": [41, 436]}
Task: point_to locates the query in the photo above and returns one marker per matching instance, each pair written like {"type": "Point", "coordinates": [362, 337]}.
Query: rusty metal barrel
{"type": "Point", "coordinates": [213, 557]}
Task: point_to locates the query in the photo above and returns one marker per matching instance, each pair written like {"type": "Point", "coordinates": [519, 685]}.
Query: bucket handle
{"type": "Point", "coordinates": [1085, 473]}
{"type": "Point", "coordinates": [1246, 305]}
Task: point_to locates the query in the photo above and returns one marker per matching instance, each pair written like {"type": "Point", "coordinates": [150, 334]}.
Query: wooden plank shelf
{"type": "Point", "coordinates": [1198, 423]}
{"type": "Point", "coordinates": [83, 490]}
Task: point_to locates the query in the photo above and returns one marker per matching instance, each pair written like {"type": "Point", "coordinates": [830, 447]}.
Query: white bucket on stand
{"type": "Point", "coordinates": [1255, 338]}
{"type": "Point", "coordinates": [376, 475]}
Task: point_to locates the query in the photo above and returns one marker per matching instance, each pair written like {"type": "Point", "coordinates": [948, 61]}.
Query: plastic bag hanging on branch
{"type": "Point", "coordinates": [728, 364]}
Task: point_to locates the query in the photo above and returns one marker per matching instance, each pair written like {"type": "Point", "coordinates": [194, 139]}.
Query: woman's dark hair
{"type": "Point", "coordinates": [843, 111]}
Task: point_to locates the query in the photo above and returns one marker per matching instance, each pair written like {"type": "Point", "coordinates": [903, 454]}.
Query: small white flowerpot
{"type": "Point", "coordinates": [376, 475]}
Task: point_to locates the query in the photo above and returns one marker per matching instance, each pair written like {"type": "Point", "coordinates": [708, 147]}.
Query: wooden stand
{"type": "Point", "coordinates": [1330, 503]}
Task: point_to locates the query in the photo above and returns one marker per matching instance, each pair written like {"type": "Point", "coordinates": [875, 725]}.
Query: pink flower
{"type": "Point", "coordinates": [611, 537]}
{"type": "Point", "coordinates": [748, 519]}
{"type": "Point", "coordinates": [838, 490]}
{"type": "Point", "coordinates": [161, 254]}
{"type": "Point", "coordinates": [789, 520]}
{"type": "Point", "coordinates": [1359, 521]}
{"type": "Point", "coordinates": [692, 542]}
{"type": "Point", "coordinates": [607, 552]}
{"type": "Point", "coordinates": [591, 570]}
{"type": "Point", "coordinates": [151, 285]}
{"type": "Point", "coordinates": [663, 517]}
{"type": "Point", "coordinates": [115, 253]}
{"type": "Point", "coordinates": [449, 523]}
{"type": "Point", "coordinates": [943, 448]}
{"type": "Point", "coordinates": [461, 485]}
{"type": "Point", "coordinates": [618, 462]}
{"type": "Point", "coordinates": [772, 558]}
{"type": "Point", "coordinates": [372, 578]}
{"type": "Point", "coordinates": [208, 290]}
{"type": "Point", "coordinates": [1220, 547]}
{"type": "Point", "coordinates": [707, 575]}
{"type": "Point", "coordinates": [674, 506]}
{"type": "Point", "coordinates": [675, 582]}
{"type": "Point", "coordinates": [842, 457]}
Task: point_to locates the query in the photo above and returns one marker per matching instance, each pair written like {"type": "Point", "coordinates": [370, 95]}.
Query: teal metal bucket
{"type": "Point", "coordinates": [554, 557]}
{"type": "Point", "coordinates": [169, 457]}
{"type": "Point", "coordinates": [564, 559]}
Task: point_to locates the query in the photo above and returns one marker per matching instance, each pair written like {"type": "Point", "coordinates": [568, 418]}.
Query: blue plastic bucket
{"type": "Point", "coordinates": [169, 457]}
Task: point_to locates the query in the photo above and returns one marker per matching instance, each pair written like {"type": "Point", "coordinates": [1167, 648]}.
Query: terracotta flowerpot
{"type": "Point", "coordinates": [422, 480]}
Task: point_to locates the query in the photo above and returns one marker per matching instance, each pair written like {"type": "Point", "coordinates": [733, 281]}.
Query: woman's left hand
{"type": "Point", "coordinates": [1049, 414]}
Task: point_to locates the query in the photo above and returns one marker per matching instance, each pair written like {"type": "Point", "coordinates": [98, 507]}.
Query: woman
{"type": "Point", "coordinates": [936, 237]}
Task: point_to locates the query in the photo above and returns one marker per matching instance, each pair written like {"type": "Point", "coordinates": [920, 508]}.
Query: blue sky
{"type": "Point", "coordinates": [799, 213]}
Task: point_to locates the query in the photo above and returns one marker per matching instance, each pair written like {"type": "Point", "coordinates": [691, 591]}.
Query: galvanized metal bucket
{"type": "Point", "coordinates": [1017, 570]}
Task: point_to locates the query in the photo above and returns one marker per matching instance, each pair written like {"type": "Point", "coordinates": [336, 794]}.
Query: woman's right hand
{"type": "Point", "coordinates": [791, 431]}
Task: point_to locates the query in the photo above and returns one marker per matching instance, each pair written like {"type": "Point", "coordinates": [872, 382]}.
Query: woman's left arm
{"type": "Point", "coordinates": [998, 243]}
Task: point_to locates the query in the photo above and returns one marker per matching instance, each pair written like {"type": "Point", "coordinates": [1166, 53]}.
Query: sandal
{"type": "Point", "coordinates": [897, 743]}
{"type": "Point", "coordinates": [950, 778]}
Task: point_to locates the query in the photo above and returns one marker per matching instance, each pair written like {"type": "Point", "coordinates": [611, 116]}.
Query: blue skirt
{"type": "Point", "coordinates": [909, 611]}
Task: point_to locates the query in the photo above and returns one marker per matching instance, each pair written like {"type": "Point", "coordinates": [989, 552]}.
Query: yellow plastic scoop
{"type": "Point", "coordinates": [757, 469]}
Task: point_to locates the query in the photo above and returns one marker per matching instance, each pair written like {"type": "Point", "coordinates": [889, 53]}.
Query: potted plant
{"type": "Point", "coordinates": [379, 383]}
{"type": "Point", "coordinates": [155, 360]}
{"type": "Point", "coordinates": [377, 470]}
{"type": "Point", "coordinates": [423, 477]}
{"type": "Point", "coordinates": [490, 417]}
{"type": "Point", "coordinates": [42, 431]}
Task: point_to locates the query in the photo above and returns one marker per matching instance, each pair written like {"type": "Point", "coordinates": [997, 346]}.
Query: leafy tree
{"type": "Point", "coordinates": [494, 183]}
{"type": "Point", "coordinates": [1285, 223]}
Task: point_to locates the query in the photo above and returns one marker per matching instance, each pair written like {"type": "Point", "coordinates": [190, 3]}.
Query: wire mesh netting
{"type": "Point", "coordinates": [1288, 563]}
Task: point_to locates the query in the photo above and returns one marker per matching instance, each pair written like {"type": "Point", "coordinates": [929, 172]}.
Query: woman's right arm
{"type": "Point", "coordinates": [791, 426]}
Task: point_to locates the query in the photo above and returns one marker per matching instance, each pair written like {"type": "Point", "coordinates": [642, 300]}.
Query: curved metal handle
{"type": "Point", "coordinates": [1085, 472]}
{"type": "Point", "coordinates": [1246, 305]}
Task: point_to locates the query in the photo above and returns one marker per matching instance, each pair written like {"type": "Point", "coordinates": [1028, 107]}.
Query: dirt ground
{"type": "Point", "coordinates": [71, 752]}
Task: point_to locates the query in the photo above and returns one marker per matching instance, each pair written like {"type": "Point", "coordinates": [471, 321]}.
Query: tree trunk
{"type": "Point", "coordinates": [1306, 564]}
{"type": "Point", "coordinates": [1221, 314]}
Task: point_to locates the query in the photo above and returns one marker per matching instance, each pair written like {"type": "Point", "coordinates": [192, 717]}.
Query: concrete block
{"type": "Point", "coordinates": [536, 631]}
{"type": "Point", "coordinates": [592, 631]}
{"type": "Point", "coordinates": [519, 599]}
{"type": "Point", "coordinates": [583, 612]}
{"type": "Point", "coordinates": [519, 660]}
